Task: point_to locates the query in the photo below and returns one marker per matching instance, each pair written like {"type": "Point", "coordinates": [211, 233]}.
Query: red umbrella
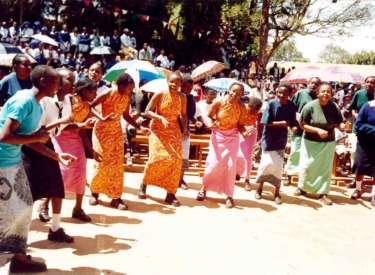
{"type": "Point", "coordinates": [301, 75]}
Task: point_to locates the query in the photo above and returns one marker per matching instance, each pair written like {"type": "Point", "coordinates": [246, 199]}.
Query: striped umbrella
{"type": "Point", "coordinates": [6, 48]}
{"type": "Point", "coordinates": [138, 69]}
{"type": "Point", "coordinates": [8, 52]}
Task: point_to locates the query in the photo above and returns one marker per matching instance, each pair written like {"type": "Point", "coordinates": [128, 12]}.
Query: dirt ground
{"type": "Point", "coordinates": [301, 236]}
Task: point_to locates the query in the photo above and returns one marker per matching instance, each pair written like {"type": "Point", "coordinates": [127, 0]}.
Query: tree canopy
{"type": "Point", "coordinates": [259, 27]}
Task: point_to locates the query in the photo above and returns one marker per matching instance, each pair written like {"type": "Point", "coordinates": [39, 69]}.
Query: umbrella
{"type": "Point", "coordinates": [164, 71]}
{"type": "Point", "coordinates": [145, 70]}
{"type": "Point", "coordinates": [102, 50]}
{"type": "Point", "coordinates": [45, 39]}
{"type": "Point", "coordinates": [155, 86]}
{"type": "Point", "coordinates": [340, 74]}
{"type": "Point", "coordinates": [222, 85]}
{"type": "Point", "coordinates": [301, 75]}
{"type": "Point", "coordinates": [6, 48]}
{"type": "Point", "coordinates": [6, 60]}
{"type": "Point", "coordinates": [207, 69]}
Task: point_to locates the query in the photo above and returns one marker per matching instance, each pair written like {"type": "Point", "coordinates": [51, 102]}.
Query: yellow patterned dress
{"type": "Point", "coordinates": [163, 168]}
{"type": "Point", "coordinates": [108, 141]}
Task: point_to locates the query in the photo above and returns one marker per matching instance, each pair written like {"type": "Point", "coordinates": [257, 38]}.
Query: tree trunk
{"type": "Point", "coordinates": [263, 38]}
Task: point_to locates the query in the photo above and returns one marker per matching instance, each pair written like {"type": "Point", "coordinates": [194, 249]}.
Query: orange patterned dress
{"type": "Point", "coordinates": [230, 115]}
{"type": "Point", "coordinates": [80, 109]}
{"type": "Point", "coordinates": [163, 168]}
{"type": "Point", "coordinates": [108, 141]}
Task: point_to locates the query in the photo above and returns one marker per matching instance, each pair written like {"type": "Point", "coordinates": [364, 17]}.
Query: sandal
{"type": "Point", "coordinates": [94, 199]}
{"type": "Point", "coordinates": [172, 200]}
{"type": "Point", "coordinates": [201, 196]}
{"type": "Point", "coordinates": [142, 191]}
{"type": "Point", "coordinates": [229, 203]}
{"type": "Point", "coordinates": [356, 195]}
{"type": "Point", "coordinates": [119, 204]}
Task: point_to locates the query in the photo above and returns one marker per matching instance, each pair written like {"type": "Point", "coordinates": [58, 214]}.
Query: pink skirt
{"type": "Point", "coordinates": [220, 173]}
{"type": "Point", "coordinates": [74, 176]}
{"type": "Point", "coordinates": [245, 155]}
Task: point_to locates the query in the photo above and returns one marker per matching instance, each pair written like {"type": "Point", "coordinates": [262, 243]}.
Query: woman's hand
{"type": "Point", "coordinates": [145, 131]}
{"type": "Point", "coordinates": [322, 133]}
{"type": "Point", "coordinates": [89, 123]}
{"type": "Point", "coordinates": [164, 121]}
{"type": "Point", "coordinates": [66, 159]}
{"type": "Point", "coordinates": [98, 157]}
{"type": "Point", "coordinates": [108, 117]}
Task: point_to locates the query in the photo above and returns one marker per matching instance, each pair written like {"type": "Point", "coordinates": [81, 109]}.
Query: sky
{"type": "Point", "coordinates": [362, 38]}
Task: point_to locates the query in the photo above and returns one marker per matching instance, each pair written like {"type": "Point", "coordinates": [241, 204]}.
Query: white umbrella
{"type": "Point", "coordinates": [102, 50]}
{"type": "Point", "coordinates": [45, 39]}
{"type": "Point", "coordinates": [207, 69]}
{"type": "Point", "coordinates": [155, 86]}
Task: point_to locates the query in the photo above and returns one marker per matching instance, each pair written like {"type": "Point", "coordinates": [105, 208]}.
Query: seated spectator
{"type": "Point", "coordinates": [163, 59]}
{"type": "Point", "coordinates": [202, 109]}
{"type": "Point", "coordinates": [125, 39]}
{"type": "Point", "coordinates": [115, 42]}
{"type": "Point", "coordinates": [64, 38]}
{"type": "Point", "coordinates": [145, 53]}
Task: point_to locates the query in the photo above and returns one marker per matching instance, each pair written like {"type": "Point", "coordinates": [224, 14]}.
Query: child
{"type": "Point", "coordinates": [278, 116]}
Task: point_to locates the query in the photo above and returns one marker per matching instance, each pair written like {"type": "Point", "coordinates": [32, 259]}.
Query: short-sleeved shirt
{"type": "Point", "coordinates": [324, 117]}
{"type": "Point", "coordinates": [24, 108]}
{"type": "Point", "coordinates": [359, 99]}
{"type": "Point", "coordinates": [300, 99]}
{"type": "Point", "coordinates": [275, 138]}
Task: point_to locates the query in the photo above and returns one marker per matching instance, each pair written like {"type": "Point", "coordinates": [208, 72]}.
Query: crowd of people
{"type": "Point", "coordinates": [54, 116]}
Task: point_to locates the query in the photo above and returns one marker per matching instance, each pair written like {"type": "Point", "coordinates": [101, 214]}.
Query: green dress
{"type": "Point", "coordinates": [316, 160]}
{"type": "Point", "coordinates": [300, 99]}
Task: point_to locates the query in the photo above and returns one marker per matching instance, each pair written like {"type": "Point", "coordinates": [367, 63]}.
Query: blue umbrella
{"type": "Point", "coordinates": [222, 85]}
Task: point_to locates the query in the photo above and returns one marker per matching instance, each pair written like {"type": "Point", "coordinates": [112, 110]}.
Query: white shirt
{"type": "Point", "coordinates": [164, 62]}
{"type": "Point", "coordinates": [51, 112]}
{"type": "Point", "coordinates": [74, 38]}
{"type": "Point", "coordinates": [4, 32]}
{"type": "Point", "coordinates": [125, 40]}
{"type": "Point", "coordinates": [13, 32]}
{"type": "Point", "coordinates": [202, 109]}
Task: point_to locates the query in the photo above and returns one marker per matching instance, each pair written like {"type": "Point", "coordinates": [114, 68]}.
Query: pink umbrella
{"type": "Point", "coordinates": [340, 74]}
{"type": "Point", "coordinates": [301, 75]}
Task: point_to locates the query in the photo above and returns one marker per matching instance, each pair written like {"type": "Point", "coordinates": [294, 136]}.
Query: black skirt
{"type": "Point", "coordinates": [364, 162]}
{"type": "Point", "coordinates": [43, 173]}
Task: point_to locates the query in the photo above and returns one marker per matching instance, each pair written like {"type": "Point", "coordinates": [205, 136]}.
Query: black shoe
{"type": "Point", "coordinates": [43, 215]}
{"type": "Point", "coordinates": [119, 204]}
{"type": "Point", "coordinates": [94, 199]}
{"type": "Point", "coordinates": [59, 236]}
{"type": "Point", "coordinates": [80, 215]}
{"type": "Point", "coordinates": [27, 266]}
{"type": "Point", "coordinates": [172, 200]}
{"type": "Point", "coordinates": [201, 196]}
{"type": "Point", "coordinates": [238, 177]}
{"type": "Point", "coordinates": [142, 191]}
